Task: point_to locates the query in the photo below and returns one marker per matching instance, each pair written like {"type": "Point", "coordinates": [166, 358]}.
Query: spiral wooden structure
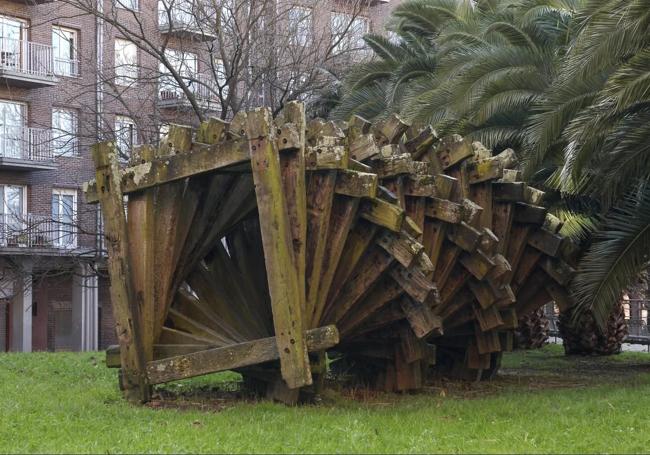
{"type": "Point", "coordinates": [259, 244]}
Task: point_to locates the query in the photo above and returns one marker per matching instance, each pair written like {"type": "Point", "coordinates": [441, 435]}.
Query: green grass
{"type": "Point", "coordinates": [542, 402]}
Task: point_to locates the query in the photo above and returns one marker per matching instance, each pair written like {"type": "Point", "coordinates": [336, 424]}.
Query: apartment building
{"type": "Point", "coordinates": [72, 74]}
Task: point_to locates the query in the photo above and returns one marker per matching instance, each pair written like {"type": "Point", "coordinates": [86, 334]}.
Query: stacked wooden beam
{"type": "Point", "coordinates": [259, 244]}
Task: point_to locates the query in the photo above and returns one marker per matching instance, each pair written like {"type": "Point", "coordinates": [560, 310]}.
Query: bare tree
{"type": "Point", "coordinates": [182, 62]}
{"type": "Point", "coordinates": [222, 56]}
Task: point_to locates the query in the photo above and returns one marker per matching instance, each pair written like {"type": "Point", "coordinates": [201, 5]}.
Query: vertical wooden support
{"type": "Point", "coordinates": [278, 250]}
{"type": "Point", "coordinates": [141, 248]}
{"type": "Point", "coordinates": [292, 165]}
{"type": "Point", "coordinates": [125, 310]}
{"type": "Point", "coordinates": [168, 207]}
{"type": "Point", "coordinates": [320, 198]}
{"type": "Point", "coordinates": [342, 216]}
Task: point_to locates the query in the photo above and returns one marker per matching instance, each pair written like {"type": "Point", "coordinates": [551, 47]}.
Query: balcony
{"type": "Point", "coordinates": [66, 67]}
{"type": "Point", "coordinates": [26, 64]}
{"type": "Point", "coordinates": [186, 23]}
{"type": "Point", "coordinates": [29, 231]}
{"type": "Point", "coordinates": [24, 148]}
{"type": "Point", "coordinates": [170, 96]}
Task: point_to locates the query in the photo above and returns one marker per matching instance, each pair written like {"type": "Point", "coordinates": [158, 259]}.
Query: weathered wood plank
{"type": "Point", "coordinates": [379, 296]}
{"type": "Point", "coordinates": [142, 242]}
{"type": "Point", "coordinates": [370, 267]}
{"type": "Point", "coordinates": [383, 213]}
{"type": "Point", "coordinates": [291, 143]}
{"type": "Point", "coordinates": [444, 210]}
{"type": "Point", "coordinates": [342, 217]}
{"type": "Point", "coordinates": [546, 242]}
{"type": "Point", "coordinates": [168, 169]}
{"type": "Point", "coordinates": [123, 300]}
{"type": "Point", "coordinates": [278, 251]}
{"type": "Point", "coordinates": [401, 246]}
{"type": "Point", "coordinates": [414, 283]}
{"type": "Point", "coordinates": [452, 150]}
{"type": "Point", "coordinates": [231, 357]}
{"type": "Point", "coordinates": [356, 184]}
{"type": "Point", "coordinates": [171, 201]}
{"type": "Point", "coordinates": [422, 320]}
{"type": "Point", "coordinates": [320, 197]}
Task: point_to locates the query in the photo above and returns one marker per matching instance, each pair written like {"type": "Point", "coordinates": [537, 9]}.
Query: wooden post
{"type": "Point", "coordinates": [278, 250]}
{"type": "Point", "coordinates": [141, 248]}
{"type": "Point", "coordinates": [292, 165]}
{"type": "Point", "coordinates": [125, 310]}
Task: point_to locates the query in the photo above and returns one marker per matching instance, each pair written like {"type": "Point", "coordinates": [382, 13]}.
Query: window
{"type": "Point", "coordinates": [126, 62]}
{"type": "Point", "coordinates": [180, 12]}
{"type": "Point", "coordinates": [64, 213]}
{"type": "Point", "coordinates": [348, 32]}
{"type": "Point", "coordinates": [125, 135]}
{"type": "Point", "coordinates": [227, 14]}
{"type": "Point", "coordinates": [12, 215]}
{"type": "Point", "coordinates": [12, 34]}
{"type": "Point", "coordinates": [64, 46]}
{"type": "Point", "coordinates": [300, 25]}
{"type": "Point", "coordinates": [12, 130]}
{"type": "Point", "coordinates": [64, 132]}
{"type": "Point", "coordinates": [132, 5]}
{"type": "Point", "coordinates": [186, 64]}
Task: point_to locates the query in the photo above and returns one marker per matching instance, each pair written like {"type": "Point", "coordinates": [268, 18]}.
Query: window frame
{"type": "Point", "coordinates": [127, 73]}
{"type": "Point", "coordinates": [74, 135]}
{"type": "Point", "coordinates": [60, 233]}
{"type": "Point", "coordinates": [350, 42]}
{"type": "Point", "coordinates": [73, 46]}
{"type": "Point", "coordinates": [124, 155]}
{"type": "Point", "coordinates": [12, 225]}
{"type": "Point", "coordinates": [297, 25]}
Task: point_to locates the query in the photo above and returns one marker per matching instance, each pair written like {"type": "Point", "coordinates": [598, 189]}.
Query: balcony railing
{"type": "Point", "coordinates": [27, 59]}
{"type": "Point", "coordinates": [24, 143]}
{"type": "Point", "coordinates": [36, 231]}
{"type": "Point", "coordinates": [186, 19]}
{"type": "Point", "coordinates": [202, 88]}
{"type": "Point", "coordinates": [66, 67]}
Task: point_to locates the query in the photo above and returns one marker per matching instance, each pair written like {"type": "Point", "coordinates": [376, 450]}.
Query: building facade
{"type": "Point", "coordinates": [73, 73]}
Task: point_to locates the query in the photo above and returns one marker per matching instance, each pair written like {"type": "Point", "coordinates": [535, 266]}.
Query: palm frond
{"type": "Point", "coordinates": [619, 252]}
{"type": "Point", "coordinates": [384, 48]}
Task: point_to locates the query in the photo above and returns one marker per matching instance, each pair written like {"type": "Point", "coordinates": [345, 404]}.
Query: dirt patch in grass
{"type": "Point", "coordinates": [202, 398]}
{"type": "Point", "coordinates": [525, 371]}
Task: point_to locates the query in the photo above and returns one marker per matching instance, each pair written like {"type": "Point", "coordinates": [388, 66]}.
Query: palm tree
{"type": "Point", "coordinates": [567, 82]}
{"type": "Point", "coordinates": [596, 117]}
{"type": "Point", "coordinates": [472, 69]}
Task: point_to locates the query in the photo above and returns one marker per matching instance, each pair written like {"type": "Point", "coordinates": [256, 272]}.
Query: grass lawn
{"type": "Point", "coordinates": [541, 402]}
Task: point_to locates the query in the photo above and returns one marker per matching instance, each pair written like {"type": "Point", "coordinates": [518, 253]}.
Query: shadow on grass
{"type": "Point", "coordinates": [523, 371]}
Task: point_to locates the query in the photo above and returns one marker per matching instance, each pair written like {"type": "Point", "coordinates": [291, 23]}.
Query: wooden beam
{"type": "Point", "coordinates": [320, 197]}
{"type": "Point", "coordinates": [291, 143]}
{"type": "Point", "coordinates": [342, 216]}
{"type": "Point", "coordinates": [356, 184]}
{"type": "Point", "coordinates": [278, 251]}
{"type": "Point", "coordinates": [231, 357]}
{"type": "Point", "coordinates": [125, 311]}
{"type": "Point", "coordinates": [383, 213]}
{"type": "Point", "coordinates": [142, 242]}
{"type": "Point", "coordinates": [204, 158]}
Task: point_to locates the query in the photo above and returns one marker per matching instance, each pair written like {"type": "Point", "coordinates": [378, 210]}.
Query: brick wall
{"type": "Point", "coordinates": [79, 93]}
